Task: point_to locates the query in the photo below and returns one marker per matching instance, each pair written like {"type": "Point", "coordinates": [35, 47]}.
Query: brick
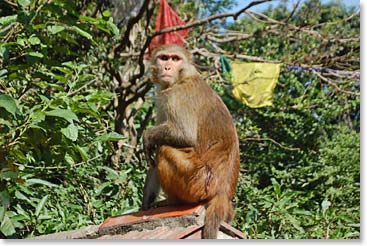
{"type": "Point", "coordinates": [151, 214]}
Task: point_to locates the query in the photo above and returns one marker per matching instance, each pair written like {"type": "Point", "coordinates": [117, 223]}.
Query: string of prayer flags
{"type": "Point", "coordinates": [225, 66]}
{"type": "Point", "coordinates": [167, 18]}
{"type": "Point", "coordinates": [254, 83]}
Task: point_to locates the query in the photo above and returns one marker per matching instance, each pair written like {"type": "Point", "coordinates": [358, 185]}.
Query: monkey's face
{"type": "Point", "coordinates": [168, 66]}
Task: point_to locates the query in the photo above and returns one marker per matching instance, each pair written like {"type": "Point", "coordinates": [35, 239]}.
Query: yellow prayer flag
{"type": "Point", "coordinates": [254, 83]}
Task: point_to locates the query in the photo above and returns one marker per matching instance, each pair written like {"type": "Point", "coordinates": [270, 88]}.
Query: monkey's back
{"type": "Point", "coordinates": [201, 113]}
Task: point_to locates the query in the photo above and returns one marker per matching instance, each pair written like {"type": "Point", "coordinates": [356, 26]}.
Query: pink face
{"type": "Point", "coordinates": [169, 65]}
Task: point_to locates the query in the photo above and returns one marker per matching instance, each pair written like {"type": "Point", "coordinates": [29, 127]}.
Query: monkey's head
{"type": "Point", "coordinates": [171, 63]}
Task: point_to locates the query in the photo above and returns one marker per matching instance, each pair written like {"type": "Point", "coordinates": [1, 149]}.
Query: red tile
{"type": "Point", "coordinates": [151, 214]}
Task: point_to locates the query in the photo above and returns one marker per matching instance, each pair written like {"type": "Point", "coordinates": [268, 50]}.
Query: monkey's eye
{"type": "Point", "coordinates": [163, 57]}
{"type": "Point", "coordinates": [175, 58]}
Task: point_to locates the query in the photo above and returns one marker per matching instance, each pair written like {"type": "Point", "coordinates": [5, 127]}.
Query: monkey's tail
{"type": "Point", "coordinates": [217, 210]}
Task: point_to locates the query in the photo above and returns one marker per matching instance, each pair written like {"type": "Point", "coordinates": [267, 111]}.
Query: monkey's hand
{"type": "Point", "coordinates": [149, 148]}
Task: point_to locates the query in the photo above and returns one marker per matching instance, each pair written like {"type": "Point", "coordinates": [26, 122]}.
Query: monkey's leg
{"type": "Point", "coordinates": [151, 188]}
{"type": "Point", "coordinates": [182, 174]}
{"type": "Point", "coordinates": [182, 160]}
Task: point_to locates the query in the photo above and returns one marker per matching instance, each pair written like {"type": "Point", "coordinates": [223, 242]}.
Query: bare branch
{"type": "Point", "coordinates": [334, 85]}
{"type": "Point", "coordinates": [59, 167]}
{"type": "Point", "coordinates": [229, 37]}
{"type": "Point", "coordinates": [125, 40]}
{"type": "Point", "coordinates": [206, 53]}
{"type": "Point", "coordinates": [11, 3]}
{"type": "Point", "coordinates": [209, 19]}
{"type": "Point", "coordinates": [273, 141]}
{"type": "Point", "coordinates": [336, 22]}
{"type": "Point", "coordinates": [293, 11]}
{"type": "Point", "coordinates": [268, 20]}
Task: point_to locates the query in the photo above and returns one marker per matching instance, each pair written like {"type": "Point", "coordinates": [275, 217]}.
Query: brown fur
{"type": "Point", "coordinates": [197, 158]}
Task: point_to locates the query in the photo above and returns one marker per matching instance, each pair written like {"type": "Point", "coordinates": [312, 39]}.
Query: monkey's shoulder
{"type": "Point", "coordinates": [190, 80]}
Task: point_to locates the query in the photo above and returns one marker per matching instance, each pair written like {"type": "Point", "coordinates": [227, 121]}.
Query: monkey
{"type": "Point", "coordinates": [193, 150]}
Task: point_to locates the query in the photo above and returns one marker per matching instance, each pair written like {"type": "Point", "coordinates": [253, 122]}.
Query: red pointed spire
{"type": "Point", "coordinates": [167, 18]}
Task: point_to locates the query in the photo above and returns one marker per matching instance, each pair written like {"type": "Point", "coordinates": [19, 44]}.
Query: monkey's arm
{"type": "Point", "coordinates": [166, 134]}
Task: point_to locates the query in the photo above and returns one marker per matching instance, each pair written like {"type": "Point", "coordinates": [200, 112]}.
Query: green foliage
{"type": "Point", "coordinates": [317, 199]}
{"type": "Point", "coordinates": [301, 157]}
{"type": "Point", "coordinates": [55, 131]}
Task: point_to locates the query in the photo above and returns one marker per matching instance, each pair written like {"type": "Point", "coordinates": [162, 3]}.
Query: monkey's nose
{"type": "Point", "coordinates": [167, 68]}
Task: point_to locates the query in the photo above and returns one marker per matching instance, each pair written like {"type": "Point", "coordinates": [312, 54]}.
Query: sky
{"type": "Point", "coordinates": [243, 3]}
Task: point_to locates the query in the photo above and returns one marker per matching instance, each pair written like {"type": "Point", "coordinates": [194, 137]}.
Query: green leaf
{"type": "Point", "coordinates": [4, 51]}
{"type": "Point", "coordinates": [8, 174]}
{"type": "Point", "coordinates": [6, 20]}
{"type": "Point", "coordinates": [294, 222]}
{"type": "Point", "coordinates": [21, 41]}
{"type": "Point", "coordinates": [39, 181]}
{"type": "Point", "coordinates": [33, 40]}
{"type": "Point", "coordinates": [37, 117]}
{"type": "Point", "coordinates": [8, 103]}
{"type": "Point", "coordinates": [111, 136]}
{"type": "Point", "coordinates": [24, 3]}
{"type": "Point", "coordinates": [70, 64]}
{"type": "Point", "coordinates": [55, 29]}
{"type": "Point", "coordinates": [7, 226]}
{"type": "Point", "coordinates": [276, 186]}
{"type": "Point", "coordinates": [21, 196]}
{"type": "Point", "coordinates": [106, 13]}
{"type": "Point", "coordinates": [63, 113]}
{"type": "Point", "coordinates": [4, 198]}
{"type": "Point", "coordinates": [113, 26]}
{"type": "Point", "coordinates": [35, 54]}
{"type": "Point", "coordinates": [82, 152]}
{"type": "Point", "coordinates": [71, 132]}
{"type": "Point", "coordinates": [2, 213]}
{"type": "Point", "coordinates": [83, 33]}
{"type": "Point", "coordinates": [91, 20]}
{"type": "Point", "coordinates": [41, 205]}
{"type": "Point", "coordinates": [111, 174]}
{"type": "Point", "coordinates": [302, 212]}
{"type": "Point", "coordinates": [100, 188]}
{"type": "Point", "coordinates": [69, 159]}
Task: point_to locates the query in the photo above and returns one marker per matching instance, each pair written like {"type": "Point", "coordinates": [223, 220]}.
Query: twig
{"type": "Point", "coordinates": [334, 85]}
{"type": "Point", "coordinates": [237, 37]}
{"type": "Point", "coordinates": [11, 3]}
{"type": "Point", "coordinates": [129, 26]}
{"type": "Point", "coordinates": [53, 168]}
{"type": "Point", "coordinates": [273, 141]}
{"type": "Point", "coordinates": [269, 20]}
{"type": "Point", "coordinates": [293, 11]}
{"type": "Point", "coordinates": [206, 53]}
{"type": "Point", "coordinates": [336, 22]}
{"type": "Point", "coordinates": [209, 19]}
{"type": "Point", "coordinates": [72, 93]}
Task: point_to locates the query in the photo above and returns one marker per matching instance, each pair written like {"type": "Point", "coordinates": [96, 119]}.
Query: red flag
{"type": "Point", "coordinates": [167, 18]}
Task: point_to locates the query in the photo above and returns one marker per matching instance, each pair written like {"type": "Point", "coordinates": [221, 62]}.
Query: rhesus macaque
{"type": "Point", "coordinates": [194, 141]}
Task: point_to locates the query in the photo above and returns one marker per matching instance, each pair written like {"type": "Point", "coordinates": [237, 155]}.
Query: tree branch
{"type": "Point", "coordinates": [273, 141]}
{"type": "Point", "coordinates": [209, 19]}
{"type": "Point", "coordinates": [334, 85]}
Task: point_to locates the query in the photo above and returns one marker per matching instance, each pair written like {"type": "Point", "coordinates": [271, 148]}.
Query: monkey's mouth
{"type": "Point", "coordinates": [167, 78]}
